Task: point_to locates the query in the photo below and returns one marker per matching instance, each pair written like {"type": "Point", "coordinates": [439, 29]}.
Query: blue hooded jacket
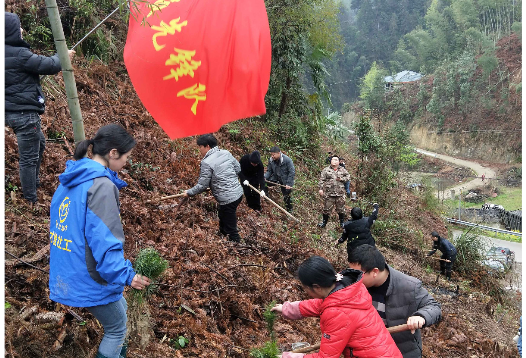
{"type": "Point", "coordinates": [87, 265]}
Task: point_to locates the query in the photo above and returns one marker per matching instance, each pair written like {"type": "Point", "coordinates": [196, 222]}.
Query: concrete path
{"type": "Point", "coordinates": [465, 187]}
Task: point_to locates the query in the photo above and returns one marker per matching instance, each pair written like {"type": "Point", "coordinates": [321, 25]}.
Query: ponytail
{"type": "Point", "coordinates": [317, 271]}
{"type": "Point", "coordinates": [111, 136]}
{"type": "Point", "coordinates": [82, 149]}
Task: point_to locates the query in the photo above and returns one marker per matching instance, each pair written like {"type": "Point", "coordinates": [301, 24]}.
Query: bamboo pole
{"type": "Point", "coordinates": [394, 329]}
{"type": "Point", "coordinates": [276, 205]}
{"type": "Point", "coordinates": [67, 71]}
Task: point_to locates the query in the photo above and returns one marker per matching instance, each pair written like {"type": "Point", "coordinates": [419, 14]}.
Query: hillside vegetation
{"type": "Point", "coordinates": [211, 300]}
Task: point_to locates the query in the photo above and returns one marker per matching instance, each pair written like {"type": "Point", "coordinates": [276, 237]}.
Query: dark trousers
{"type": "Point", "coordinates": [252, 196]}
{"type": "Point", "coordinates": [228, 220]}
{"type": "Point", "coordinates": [445, 267]}
{"type": "Point", "coordinates": [287, 194]}
{"type": "Point", "coordinates": [31, 145]}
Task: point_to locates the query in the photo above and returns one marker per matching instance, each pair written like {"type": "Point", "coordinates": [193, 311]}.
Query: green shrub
{"type": "Point", "coordinates": [470, 253]}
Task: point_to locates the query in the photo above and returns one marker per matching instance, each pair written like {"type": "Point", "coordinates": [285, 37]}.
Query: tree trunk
{"type": "Point", "coordinates": [67, 70]}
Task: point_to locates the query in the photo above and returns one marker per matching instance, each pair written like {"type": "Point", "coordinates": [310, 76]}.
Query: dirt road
{"type": "Point", "coordinates": [465, 187]}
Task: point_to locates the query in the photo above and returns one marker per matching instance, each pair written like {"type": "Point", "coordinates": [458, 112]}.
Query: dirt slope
{"type": "Point", "coordinates": [225, 285]}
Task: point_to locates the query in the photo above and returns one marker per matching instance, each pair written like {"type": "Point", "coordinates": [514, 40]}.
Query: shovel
{"type": "Point", "coordinates": [394, 329]}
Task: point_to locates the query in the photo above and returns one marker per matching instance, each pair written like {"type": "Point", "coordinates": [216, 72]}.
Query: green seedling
{"type": "Point", "coordinates": [180, 342]}
{"type": "Point", "coordinates": [150, 264]}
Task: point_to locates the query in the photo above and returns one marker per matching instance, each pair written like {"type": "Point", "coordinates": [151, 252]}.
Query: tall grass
{"type": "Point", "coordinates": [470, 253]}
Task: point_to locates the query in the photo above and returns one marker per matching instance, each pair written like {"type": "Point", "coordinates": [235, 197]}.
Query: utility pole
{"type": "Point", "coordinates": [67, 70]}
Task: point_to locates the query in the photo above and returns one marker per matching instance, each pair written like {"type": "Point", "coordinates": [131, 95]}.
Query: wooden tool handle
{"type": "Point", "coordinates": [276, 205]}
{"type": "Point", "coordinates": [278, 184]}
{"type": "Point", "coordinates": [165, 198]}
{"type": "Point", "coordinates": [394, 329]}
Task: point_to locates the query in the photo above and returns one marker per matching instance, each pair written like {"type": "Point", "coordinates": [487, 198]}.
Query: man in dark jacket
{"type": "Point", "coordinates": [253, 173]}
{"type": "Point", "coordinates": [219, 172]}
{"type": "Point", "coordinates": [357, 231]}
{"type": "Point", "coordinates": [398, 298]}
{"type": "Point", "coordinates": [24, 101]}
{"type": "Point", "coordinates": [449, 252]}
{"type": "Point", "coordinates": [281, 170]}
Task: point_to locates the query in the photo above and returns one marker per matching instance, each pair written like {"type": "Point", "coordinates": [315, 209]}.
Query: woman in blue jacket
{"type": "Point", "coordinates": [87, 265]}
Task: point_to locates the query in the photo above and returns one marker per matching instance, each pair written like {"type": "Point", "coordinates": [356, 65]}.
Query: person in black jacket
{"type": "Point", "coordinates": [357, 231]}
{"type": "Point", "coordinates": [24, 101]}
{"type": "Point", "coordinates": [449, 252]}
{"type": "Point", "coordinates": [253, 172]}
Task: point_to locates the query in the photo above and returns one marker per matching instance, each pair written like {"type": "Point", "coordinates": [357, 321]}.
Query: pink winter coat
{"type": "Point", "coordinates": [348, 322]}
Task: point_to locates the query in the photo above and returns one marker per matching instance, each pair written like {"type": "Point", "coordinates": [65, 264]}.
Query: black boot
{"type": "Point", "coordinates": [124, 349]}
{"type": "Point", "coordinates": [448, 275]}
{"type": "Point", "coordinates": [341, 216]}
{"type": "Point", "coordinates": [324, 222]}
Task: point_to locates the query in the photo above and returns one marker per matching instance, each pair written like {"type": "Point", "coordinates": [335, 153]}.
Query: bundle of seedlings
{"type": "Point", "coordinates": [270, 349]}
{"type": "Point", "coordinates": [150, 264]}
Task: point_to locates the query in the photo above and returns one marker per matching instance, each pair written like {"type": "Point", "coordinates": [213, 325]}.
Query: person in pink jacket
{"type": "Point", "coordinates": [349, 323]}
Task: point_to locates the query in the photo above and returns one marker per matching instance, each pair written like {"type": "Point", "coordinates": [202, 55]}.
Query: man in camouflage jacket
{"type": "Point", "coordinates": [332, 189]}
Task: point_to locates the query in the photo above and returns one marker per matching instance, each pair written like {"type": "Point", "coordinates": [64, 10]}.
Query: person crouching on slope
{"type": "Point", "coordinates": [87, 266]}
{"type": "Point", "coordinates": [348, 320]}
{"type": "Point", "coordinates": [449, 252]}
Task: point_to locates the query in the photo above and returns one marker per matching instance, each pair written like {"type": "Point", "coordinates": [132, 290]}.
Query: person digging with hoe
{"type": "Point", "coordinates": [348, 320]}
{"type": "Point", "coordinates": [397, 297]}
{"type": "Point", "coordinates": [86, 260]}
{"type": "Point", "coordinates": [219, 172]}
{"type": "Point", "coordinates": [332, 190]}
{"type": "Point", "coordinates": [253, 173]}
{"type": "Point", "coordinates": [449, 253]}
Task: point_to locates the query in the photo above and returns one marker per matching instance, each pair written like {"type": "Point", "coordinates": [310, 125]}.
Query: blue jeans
{"type": "Point", "coordinates": [113, 318]}
{"type": "Point", "coordinates": [31, 145]}
{"type": "Point", "coordinates": [347, 187]}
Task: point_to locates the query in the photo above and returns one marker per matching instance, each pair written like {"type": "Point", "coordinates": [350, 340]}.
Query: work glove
{"type": "Point", "coordinates": [245, 183]}
{"type": "Point", "coordinates": [262, 193]}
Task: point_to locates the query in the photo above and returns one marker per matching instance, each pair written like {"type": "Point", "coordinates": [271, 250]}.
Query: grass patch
{"type": "Point", "coordinates": [510, 199]}
{"type": "Point", "coordinates": [498, 235]}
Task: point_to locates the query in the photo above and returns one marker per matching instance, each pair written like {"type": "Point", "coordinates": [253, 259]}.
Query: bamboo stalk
{"type": "Point", "coordinates": [67, 70]}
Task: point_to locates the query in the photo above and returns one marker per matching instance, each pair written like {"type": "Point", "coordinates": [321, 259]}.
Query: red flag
{"type": "Point", "coordinates": [198, 64]}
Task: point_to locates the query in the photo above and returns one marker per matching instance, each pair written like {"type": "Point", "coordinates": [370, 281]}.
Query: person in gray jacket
{"type": "Point", "coordinates": [219, 171]}
{"type": "Point", "coordinates": [281, 171]}
{"type": "Point", "coordinates": [398, 298]}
